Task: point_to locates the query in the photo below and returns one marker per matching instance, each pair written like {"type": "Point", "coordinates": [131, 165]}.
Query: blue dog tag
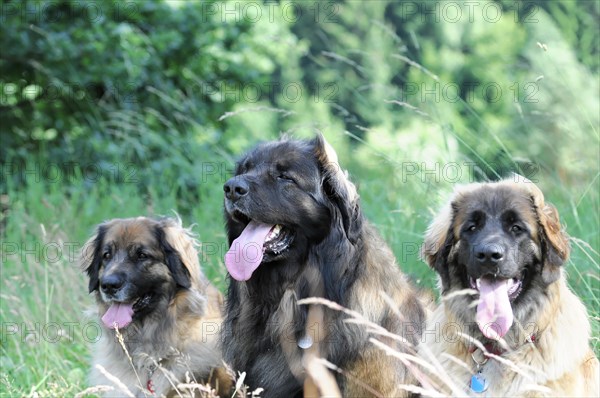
{"type": "Point", "coordinates": [478, 383]}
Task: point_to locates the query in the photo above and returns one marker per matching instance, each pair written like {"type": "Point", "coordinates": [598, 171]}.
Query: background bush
{"type": "Point", "coordinates": [116, 109]}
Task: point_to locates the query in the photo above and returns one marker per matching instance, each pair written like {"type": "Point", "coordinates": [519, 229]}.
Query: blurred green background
{"type": "Point", "coordinates": [118, 109]}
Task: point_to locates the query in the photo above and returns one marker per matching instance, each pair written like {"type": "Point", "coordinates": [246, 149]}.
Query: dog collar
{"type": "Point", "coordinates": [149, 383]}
{"type": "Point", "coordinates": [478, 382]}
{"type": "Point", "coordinates": [493, 348]}
{"type": "Point", "coordinates": [150, 386]}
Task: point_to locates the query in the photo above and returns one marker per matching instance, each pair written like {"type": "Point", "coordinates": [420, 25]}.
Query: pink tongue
{"type": "Point", "coordinates": [118, 313]}
{"type": "Point", "coordinates": [246, 252]}
{"type": "Point", "coordinates": [494, 313]}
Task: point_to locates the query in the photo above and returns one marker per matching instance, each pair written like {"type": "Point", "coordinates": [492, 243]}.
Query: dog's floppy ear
{"type": "Point", "coordinates": [174, 255]}
{"type": "Point", "coordinates": [554, 241]}
{"type": "Point", "coordinates": [437, 234]}
{"type": "Point", "coordinates": [439, 237]}
{"type": "Point", "coordinates": [91, 257]}
{"type": "Point", "coordinates": [338, 188]}
{"type": "Point", "coordinates": [439, 240]}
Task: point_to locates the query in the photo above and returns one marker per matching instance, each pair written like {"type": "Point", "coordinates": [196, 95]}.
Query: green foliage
{"type": "Point", "coordinates": [117, 109]}
{"type": "Point", "coordinates": [124, 81]}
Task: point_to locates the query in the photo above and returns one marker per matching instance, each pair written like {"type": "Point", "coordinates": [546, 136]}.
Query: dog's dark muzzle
{"type": "Point", "coordinates": [236, 188]}
{"type": "Point", "coordinates": [112, 283]}
{"type": "Point", "coordinates": [491, 257]}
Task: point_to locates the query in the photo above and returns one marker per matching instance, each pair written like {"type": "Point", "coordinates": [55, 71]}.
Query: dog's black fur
{"type": "Point", "coordinates": [334, 254]}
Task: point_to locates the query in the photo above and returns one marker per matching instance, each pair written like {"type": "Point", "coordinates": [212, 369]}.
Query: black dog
{"type": "Point", "coordinates": [296, 230]}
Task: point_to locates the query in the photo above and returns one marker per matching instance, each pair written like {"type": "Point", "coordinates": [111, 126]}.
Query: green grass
{"type": "Point", "coordinates": [43, 285]}
{"type": "Point", "coordinates": [43, 289]}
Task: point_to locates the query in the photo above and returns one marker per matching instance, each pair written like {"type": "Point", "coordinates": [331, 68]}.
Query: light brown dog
{"type": "Point", "coordinates": [151, 294]}
{"type": "Point", "coordinates": [508, 324]}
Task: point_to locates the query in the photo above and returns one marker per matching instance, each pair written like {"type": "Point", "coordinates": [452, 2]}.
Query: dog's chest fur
{"type": "Point", "coordinates": [559, 362]}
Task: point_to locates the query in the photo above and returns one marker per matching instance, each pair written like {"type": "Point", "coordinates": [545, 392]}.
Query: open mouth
{"type": "Point", "coordinates": [120, 314]}
{"type": "Point", "coordinates": [142, 302]}
{"type": "Point", "coordinates": [494, 314]}
{"type": "Point", "coordinates": [277, 241]}
{"type": "Point", "coordinates": [240, 217]}
{"type": "Point", "coordinates": [513, 285]}
{"type": "Point", "coordinates": [257, 244]}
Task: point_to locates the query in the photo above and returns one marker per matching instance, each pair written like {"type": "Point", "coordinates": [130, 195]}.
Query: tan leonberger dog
{"type": "Point", "coordinates": [148, 285]}
{"type": "Point", "coordinates": [508, 324]}
{"type": "Point", "coordinates": [296, 230]}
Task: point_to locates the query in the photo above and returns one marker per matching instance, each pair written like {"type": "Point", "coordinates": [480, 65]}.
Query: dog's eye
{"type": "Point", "coordinates": [142, 256]}
{"type": "Point", "coordinates": [285, 177]}
{"type": "Point", "coordinates": [106, 255]}
{"type": "Point", "coordinates": [471, 228]}
{"type": "Point", "coordinates": [516, 228]}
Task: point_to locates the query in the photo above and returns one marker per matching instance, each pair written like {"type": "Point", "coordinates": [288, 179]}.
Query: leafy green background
{"type": "Point", "coordinates": [117, 109]}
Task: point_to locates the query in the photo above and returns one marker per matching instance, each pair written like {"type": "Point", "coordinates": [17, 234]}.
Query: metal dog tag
{"type": "Point", "coordinates": [305, 342]}
{"type": "Point", "coordinates": [478, 383]}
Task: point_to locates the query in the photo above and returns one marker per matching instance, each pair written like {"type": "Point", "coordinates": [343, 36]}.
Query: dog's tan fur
{"type": "Point", "coordinates": [374, 372]}
{"type": "Point", "coordinates": [169, 347]}
{"type": "Point", "coordinates": [349, 256]}
{"type": "Point", "coordinates": [559, 363]}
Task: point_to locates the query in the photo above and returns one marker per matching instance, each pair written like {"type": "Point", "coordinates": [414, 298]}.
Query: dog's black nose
{"type": "Point", "coordinates": [110, 284]}
{"type": "Point", "coordinates": [489, 253]}
{"type": "Point", "coordinates": [235, 188]}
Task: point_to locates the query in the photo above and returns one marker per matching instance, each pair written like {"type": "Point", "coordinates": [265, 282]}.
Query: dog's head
{"type": "Point", "coordinates": [502, 240]}
{"type": "Point", "coordinates": [136, 266]}
{"type": "Point", "coordinates": [285, 196]}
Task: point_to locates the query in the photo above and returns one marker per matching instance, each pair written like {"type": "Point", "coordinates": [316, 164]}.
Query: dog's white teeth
{"type": "Point", "coordinates": [513, 285]}
{"type": "Point", "coordinates": [478, 283]}
{"type": "Point", "coordinates": [274, 232]}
